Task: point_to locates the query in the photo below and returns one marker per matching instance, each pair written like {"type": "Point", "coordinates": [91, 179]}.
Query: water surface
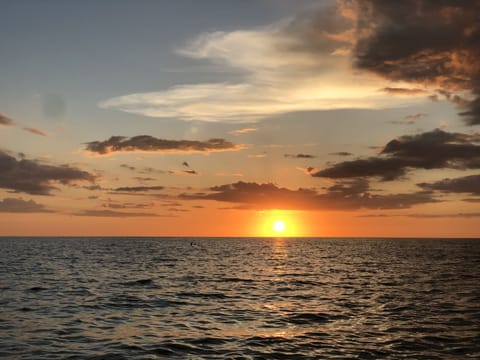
{"type": "Point", "coordinates": [207, 298]}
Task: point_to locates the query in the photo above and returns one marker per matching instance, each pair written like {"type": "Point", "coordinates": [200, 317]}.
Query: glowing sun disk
{"type": "Point", "coordinates": [279, 226]}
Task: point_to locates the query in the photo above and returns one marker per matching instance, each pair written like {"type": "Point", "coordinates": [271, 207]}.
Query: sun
{"type": "Point", "coordinates": [279, 226]}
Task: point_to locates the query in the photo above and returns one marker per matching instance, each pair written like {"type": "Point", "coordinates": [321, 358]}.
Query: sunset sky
{"type": "Point", "coordinates": [220, 117]}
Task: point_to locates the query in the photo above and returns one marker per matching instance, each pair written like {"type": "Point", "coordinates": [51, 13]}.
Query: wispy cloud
{"type": "Point", "coordinates": [113, 213]}
{"type": "Point", "coordinates": [6, 121]}
{"type": "Point", "coordinates": [34, 131]}
{"type": "Point", "coordinates": [415, 116]}
{"type": "Point", "coordinates": [404, 91]}
{"type": "Point", "coordinates": [297, 64]}
{"type": "Point", "coordinates": [410, 119]}
{"type": "Point", "coordinates": [138, 188]}
{"type": "Point", "coordinates": [147, 143]}
{"type": "Point", "coordinates": [243, 131]}
{"type": "Point", "coordinates": [127, 205]}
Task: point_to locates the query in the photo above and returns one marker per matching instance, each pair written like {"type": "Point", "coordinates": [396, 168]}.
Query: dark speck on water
{"type": "Point", "coordinates": [226, 298]}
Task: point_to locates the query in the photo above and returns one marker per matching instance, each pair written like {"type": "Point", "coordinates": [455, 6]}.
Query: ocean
{"type": "Point", "coordinates": [239, 298]}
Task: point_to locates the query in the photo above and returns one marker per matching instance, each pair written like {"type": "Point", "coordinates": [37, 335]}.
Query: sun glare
{"type": "Point", "coordinates": [279, 226]}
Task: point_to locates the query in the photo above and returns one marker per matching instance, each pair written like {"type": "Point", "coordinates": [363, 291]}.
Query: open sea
{"type": "Point", "coordinates": [239, 298]}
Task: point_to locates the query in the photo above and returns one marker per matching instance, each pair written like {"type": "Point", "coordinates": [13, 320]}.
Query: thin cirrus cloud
{"type": "Point", "coordinates": [35, 177]}
{"type": "Point", "coordinates": [429, 150]}
{"type": "Point", "coordinates": [410, 119]}
{"type": "Point", "coordinates": [298, 64]}
{"type": "Point", "coordinates": [147, 143]}
{"type": "Point", "coordinates": [135, 189]}
{"type": "Point", "coordinates": [113, 214]}
{"type": "Point", "coordinates": [345, 195]}
{"type": "Point", "coordinates": [14, 205]}
{"type": "Point", "coordinates": [6, 121]}
{"type": "Point", "coordinates": [413, 117]}
{"type": "Point", "coordinates": [243, 131]}
{"type": "Point", "coordinates": [34, 131]}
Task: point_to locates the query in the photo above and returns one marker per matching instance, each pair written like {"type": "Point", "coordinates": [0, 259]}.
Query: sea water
{"type": "Point", "coordinates": [239, 298]}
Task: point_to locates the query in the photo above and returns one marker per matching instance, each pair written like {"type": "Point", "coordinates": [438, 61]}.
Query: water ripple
{"type": "Point", "coordinates": [147, 298]}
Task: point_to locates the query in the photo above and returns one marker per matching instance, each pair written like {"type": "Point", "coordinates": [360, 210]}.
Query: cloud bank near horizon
{"type": "Point", "coordinates": [345, 195]}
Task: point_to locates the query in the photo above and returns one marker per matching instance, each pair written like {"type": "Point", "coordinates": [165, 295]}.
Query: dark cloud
{"type": "Point", "coordinates": [128, 167]}
{"type": "Point", "coordinates": [347, 195]}
{"type": "Point", "coordinates": [403, 91]}
{"type": "Point", "coordinates": [472, 200]}
{"type": "Point", "coordinates": [386, 168]}
{"type": "Point", "coordinates": [466, 184]}
{"type": "Point", "coordinates": [138, 188]}
{"type": "Point", "coordinates": [35, 177]}
{"type": "Point", "coordinates": [424, 216]}
{"type": "Point", "coordinates": [93, 187]}
{"type": "Point", "coordinates": [12, 205]}
{"type": "Point", "coordinates": [430, 150]}
{"type": "Point", "coordinates": [146, 143]}
{"type": "Point", "coordinates": [6, 121]}
{"type": "Point", "coordinates": [144, 179]}
{"type": "Point", "coordinates": [146, 170]}
{"type": "Point", "coordinates": [454, 215]}
{"type": "Point", "coordinates": [341, 153]}
{"type": "Point", "coordinates": [113, 213]}
{"type": "Point", "coordinates": [112, 205]}
{"type": "Point", "coordinates": [190, 172]}
{"type": "Point", "coordinates": [424, 42]}
{"type": "Point", "coordinates": [436, 148]}
{"type": "Point", "coordinates": [299, 156]}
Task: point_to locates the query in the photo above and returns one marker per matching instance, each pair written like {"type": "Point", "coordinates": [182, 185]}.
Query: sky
{"type": "Point", "coordinates": [221, 118]}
